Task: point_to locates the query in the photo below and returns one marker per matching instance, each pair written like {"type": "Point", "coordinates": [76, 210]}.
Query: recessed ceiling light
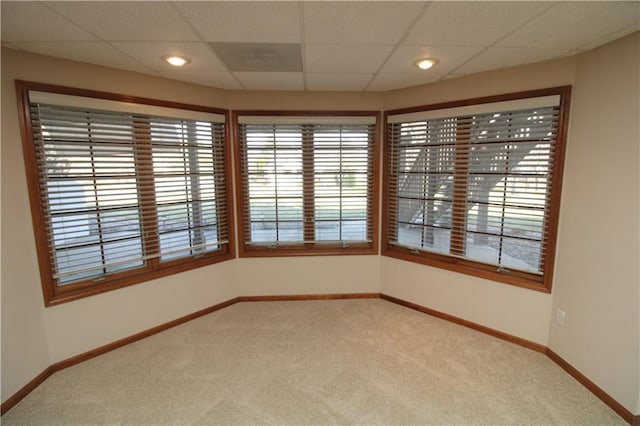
{"type": "Point", "coordinates": [176, 61]}
{"type": "Point", "coordinates": [426, 63]}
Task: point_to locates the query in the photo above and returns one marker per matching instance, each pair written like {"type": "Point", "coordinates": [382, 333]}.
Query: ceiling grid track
{"type": "Point", "coordinates": [531, 19]}
{"type": "Point", "coordinates": [399, 43]}
{"type": "Point", "coordinates": [202, 39]}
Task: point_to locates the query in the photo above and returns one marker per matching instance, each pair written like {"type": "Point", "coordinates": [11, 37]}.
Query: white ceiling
{"type": "Point", "coordinates": [346, 46]}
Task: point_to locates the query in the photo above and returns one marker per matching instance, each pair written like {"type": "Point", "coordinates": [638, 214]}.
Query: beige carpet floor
{"type": "Point", "coordinates": [314, 362]}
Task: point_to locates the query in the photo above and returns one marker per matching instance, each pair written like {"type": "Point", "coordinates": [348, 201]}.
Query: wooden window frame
{"type": "Point", "coordinates": [153, 268]}
{"type": "Point", "coordinates": [537, 282]}
{"type": "Point", "coordinates": [305, 249]}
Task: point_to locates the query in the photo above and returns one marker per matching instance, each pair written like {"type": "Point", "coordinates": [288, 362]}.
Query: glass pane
{"type": "Point", "coordinates": [184, 167]}
{"type": "Point", "coordinates": [91, 191]}
{"type": "Point", "coordinates": [426, 155]}
{"type": "Point", "coordinates": [510, 162]}
{"type": "Point", "coordinates": [173, 244]}
{"type": "Point", "coordinates": [78, 259]}
{"type": "Point", "coordinates": [291, 231]}
{"type": "Point", "coordinates": [354, 230]}
{"type": "Point", "coordinates": [341, 230]}
{"type": "Point", "coordinates": [273, 165]}
{"type": "Point", "coordinates": [117, 252]}
{"type": "Point", "coordinates": [483, 248]}
{"type": "Point", "coordinates": [341, 179]}
{"type": "Point", "coordinates": [328, 230]}
{"type": "Point", "coordinates": [427, 237]}
{"type": "Point", "coordinates": [513, 253]}
{"type": "Point", "coordinates": [521, 254]}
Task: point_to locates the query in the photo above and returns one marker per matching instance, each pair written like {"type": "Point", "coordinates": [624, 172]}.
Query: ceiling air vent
{"type": "Point", "coordinates": [260, 57]}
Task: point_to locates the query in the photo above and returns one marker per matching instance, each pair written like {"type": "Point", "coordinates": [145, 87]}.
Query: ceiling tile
{"type": "Point", "coordinates": [96, 52]}
{"type": "Point", "coordinates": [391, 80]}
{"type": "Point", "coordinates": [501, 57]}
{"type": "Point", "coordinates": [611, 37]}
{"type": "Point", "coordinates": [338, 81]}
{"type": "Point", "coordinates": [271, 80]}
{"type": "Point", "coordinates": [125, 20]}
{"type": "Point", "coordinates": [30, 21]}
{"type": "Point", "coordinates": [151, 53]}
{"type": "Point", "coordinates": [471, 23]}
{"type": "Point", "coordinates": [247, 22]}
{"type": "Point", "coordinates": [221, 80]}
{"type": "Point", "coordinates": [358, 22]}
{"type": "Point", "coordinates": [345, 58]}
{"type": "Point", "coordinates": [570, 25]}
{"type": "Point", "coordinates": [401, 62]}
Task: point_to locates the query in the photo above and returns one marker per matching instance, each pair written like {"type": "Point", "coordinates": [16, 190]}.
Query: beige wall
{"type": "Point", "coordinates": [310, 101]}
{"type": "Point", "coordinates": [604, 318]}
{"type": "Point", "coordinates": [597, 279]}
{"type": "Point", "coordinates": [24, 347]}
{"type": "Point", "coordinates": [77, 327]}
{"type": "Point", "coordinates": [517, 311]}
{"type": "Point", "coordinates": [309, 275]}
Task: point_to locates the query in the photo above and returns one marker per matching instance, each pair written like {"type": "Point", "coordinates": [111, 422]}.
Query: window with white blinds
{"type": "Point", "coordinates": [125, 192]}
{"type": "Point", "coordinates": [475, 187]}
{"type": "Point", "coordinates": [307, 183]}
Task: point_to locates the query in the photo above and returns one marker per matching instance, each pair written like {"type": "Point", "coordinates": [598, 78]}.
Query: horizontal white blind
{"type": "Point", "coordinates": [189, 186]}
{"type": "Point", "coordinates": [475, 186]}
{"type": "Point", "coordinates": [84, 102]}
{"type": "Point", "coordinates": [310, 120]}
{"type": "Point", "coordinates": [477, 109]}
{"type": "Point", "coordinates": [119, 189]}
{"type": "Point", "coordinates": [307, 183]}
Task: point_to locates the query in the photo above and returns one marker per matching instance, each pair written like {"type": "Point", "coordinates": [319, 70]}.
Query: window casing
{"type": "Point", "coordinates": [122, 190]}
{"type": "Point", "coordinates": [307, 184]}
{"type": "Point", "coordinates": [474, 186]}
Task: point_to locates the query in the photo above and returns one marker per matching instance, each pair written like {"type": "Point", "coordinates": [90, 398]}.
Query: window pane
{"type": "Point", "coordinates": [510, 161]}
{"type": "Point", "coordinates": [341, 159]}
{"type": "Point", "coordinates": [425, 162]}
{"type": "Point", "coordinates": [87, 159]}
{"type": "Point", "coordinates": [274, 169]}
{"type": "Point", "coordinates": [184, 169]}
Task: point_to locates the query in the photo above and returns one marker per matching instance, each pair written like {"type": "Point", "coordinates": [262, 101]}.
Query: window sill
{"type": "Point", "coordinates": [251, 250]}
{"type": "Point", "coordinates": [80, 290]}
{"type": "Point", "coordinates": [468, 267]}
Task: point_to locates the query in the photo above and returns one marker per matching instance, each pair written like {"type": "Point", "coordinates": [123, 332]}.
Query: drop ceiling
{"type": "Point", "coordinates": [345, 46]}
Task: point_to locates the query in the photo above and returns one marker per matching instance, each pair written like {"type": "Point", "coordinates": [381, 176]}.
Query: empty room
{"type": "Point", "coordinates": [319, 212]}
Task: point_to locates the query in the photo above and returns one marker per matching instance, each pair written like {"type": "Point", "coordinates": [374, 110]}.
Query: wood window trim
{"type": "Point", "coordinates": [542, 283]}
{"type": "Point", "coordinates": [306, 249]}
{"type": "Point", "coordinates": [54, 294]}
